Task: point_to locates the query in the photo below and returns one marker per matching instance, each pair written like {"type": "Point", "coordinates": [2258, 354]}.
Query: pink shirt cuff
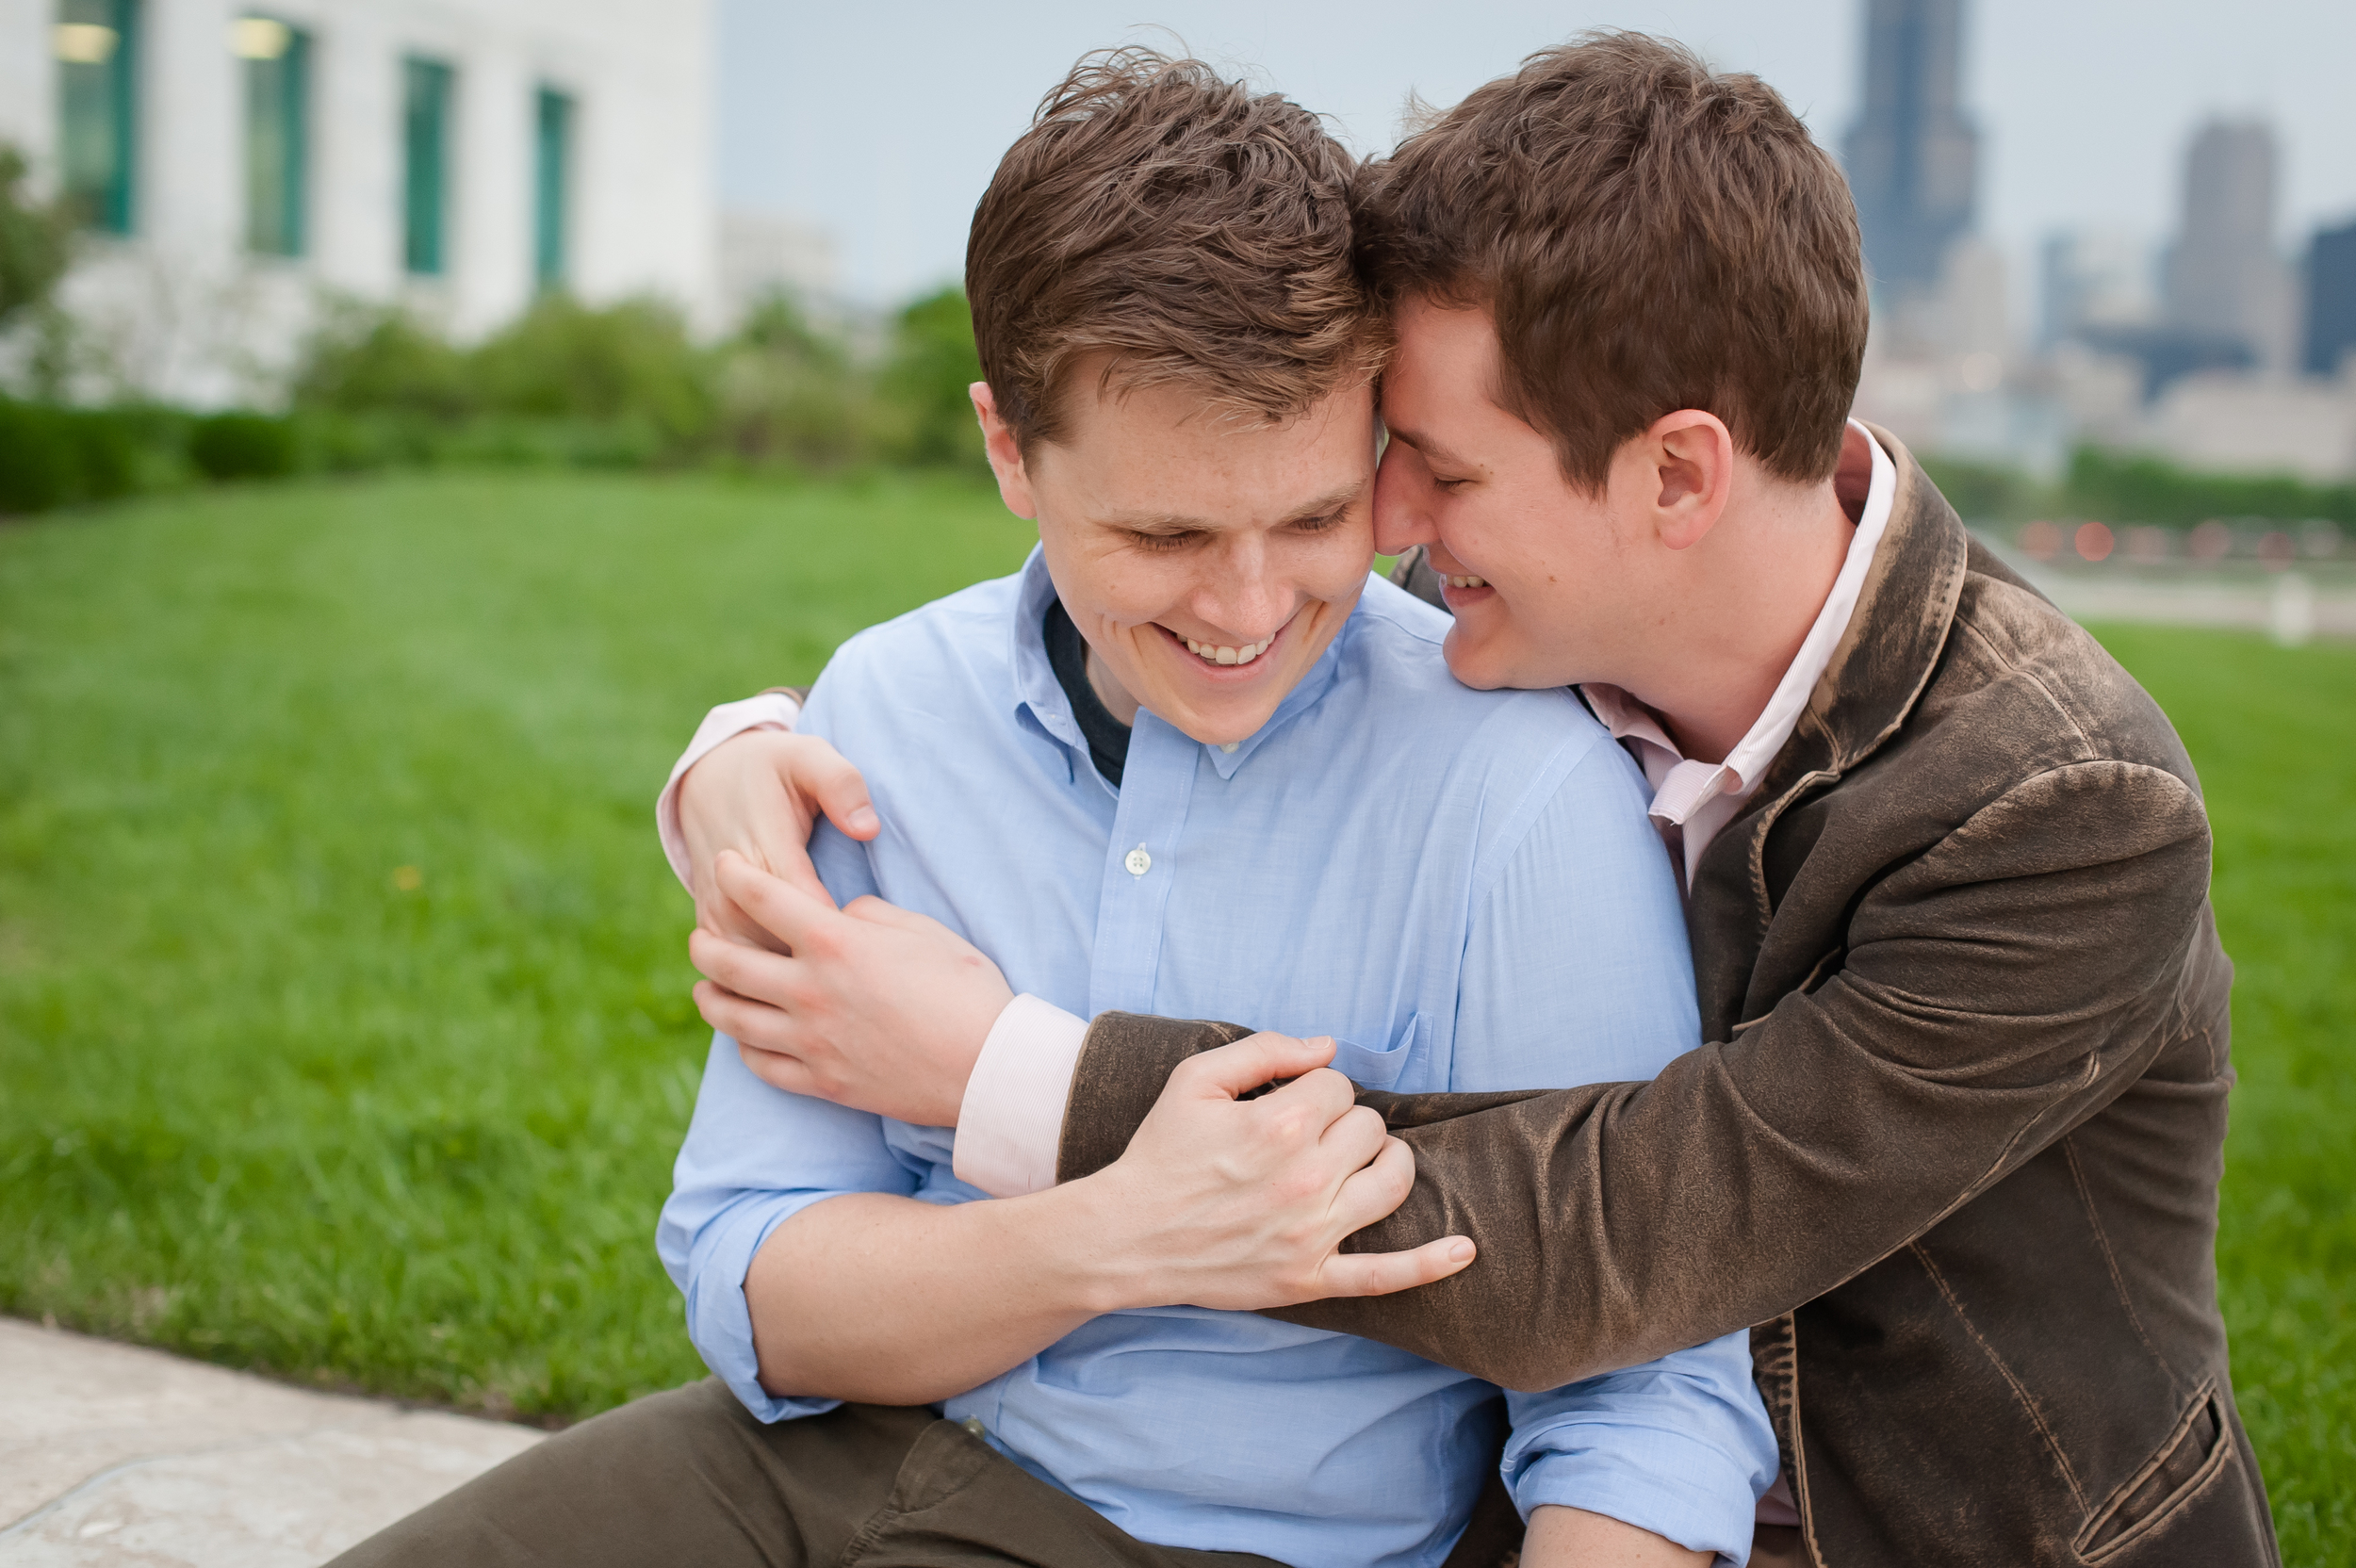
{"type": "Point", "coordinates": [769, 710]}
{"type": "Point", "coordinates": [1011, 1121]}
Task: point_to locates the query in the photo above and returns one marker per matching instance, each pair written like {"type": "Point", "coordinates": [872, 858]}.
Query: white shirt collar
{"type": "Point", "coordinates": [1700, 797]}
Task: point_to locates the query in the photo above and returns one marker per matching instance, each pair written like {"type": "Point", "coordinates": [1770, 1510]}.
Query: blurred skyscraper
{"type": "Point", "coordinates": [1913, 158]}
{"type": "Point", "coordinates": [2330, 300]}
{"type": "Point", "coordinates": [2092, 279]}
{"type": "Point", "coordinates": [2225, 280]}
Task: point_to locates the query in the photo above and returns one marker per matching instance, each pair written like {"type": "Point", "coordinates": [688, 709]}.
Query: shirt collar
{"type": "Point", "coordinates": [1681, 786]}
{"type": "Point", "coordinates": [1038, 690]}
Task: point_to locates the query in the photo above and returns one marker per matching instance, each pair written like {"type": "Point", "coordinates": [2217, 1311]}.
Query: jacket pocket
{"type": "Point", "coordinates": [1377, 1068]}
{"type": "Point", "coordinates": [2192, 1453]}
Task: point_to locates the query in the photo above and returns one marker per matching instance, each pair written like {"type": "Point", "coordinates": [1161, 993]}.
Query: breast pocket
{"type": "Point", "coordinates": [1378, 1067]}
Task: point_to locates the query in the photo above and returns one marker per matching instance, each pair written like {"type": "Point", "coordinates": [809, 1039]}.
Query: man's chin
{"type": "Point", "coordinates": [1223, 729]}
{"type": "Point", "coordinates": [1474, 661]}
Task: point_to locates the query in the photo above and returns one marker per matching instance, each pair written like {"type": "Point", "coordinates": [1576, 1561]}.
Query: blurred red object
{"type": "Point", "coordinates": [2093, 541]}
{"type": "Point", "coordinates": [2276, 551]}
{"type": "Point", "coordinates": [2042, 540]}
{"type": "Point", "coordinates": [2211, 541]}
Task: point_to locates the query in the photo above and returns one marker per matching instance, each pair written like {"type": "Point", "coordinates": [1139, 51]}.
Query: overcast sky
{"type": "Point", "coordinates": [882, 122]}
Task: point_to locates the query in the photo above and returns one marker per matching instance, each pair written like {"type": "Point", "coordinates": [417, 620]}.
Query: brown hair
{"type": "Point", "coordinates": [1649, 236]}
{"type": "Point", "coordinates": [1174, 222]}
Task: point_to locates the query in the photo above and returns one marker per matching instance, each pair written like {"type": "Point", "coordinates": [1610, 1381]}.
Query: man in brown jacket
{"type": "Point", "coordinates": [1953, 1144]}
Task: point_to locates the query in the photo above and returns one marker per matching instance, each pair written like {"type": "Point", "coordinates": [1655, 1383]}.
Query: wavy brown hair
{"type": "Point", "coordinates": [1650, 235]}
{"type": "Point", "coordinates": [1180, 226]}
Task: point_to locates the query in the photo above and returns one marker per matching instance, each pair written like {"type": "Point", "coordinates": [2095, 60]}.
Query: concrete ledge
{"type": "Point", "coordinates": [111, 1455]}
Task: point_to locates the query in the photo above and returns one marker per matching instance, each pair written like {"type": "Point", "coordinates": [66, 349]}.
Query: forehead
{"type": "Point", "coordinates": [1440, 392]}
{"type": "Point", "coordinates": [1168, 452]}
{"type": "Point", "coordinates": [1436, 344]}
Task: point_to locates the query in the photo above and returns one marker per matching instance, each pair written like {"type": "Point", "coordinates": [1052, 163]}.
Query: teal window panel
{"type": "Point", "coordinates": [96, 45]}
{"type": "Point", "coordinates": [425, 166]}
{"type": "Point", "coordinates": [552, 187]}
{"type": "Point", "coordinates": [275, 61]}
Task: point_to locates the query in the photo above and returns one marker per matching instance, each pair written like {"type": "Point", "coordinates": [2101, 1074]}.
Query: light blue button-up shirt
{"type": "Point", "coordinates": [1461, 886]}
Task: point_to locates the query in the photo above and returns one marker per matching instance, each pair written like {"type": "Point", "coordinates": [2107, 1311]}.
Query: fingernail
{"type": "Point", "coordinates": [864, 820]}
{"type": "Point", "coordinates": [1461, 1253]}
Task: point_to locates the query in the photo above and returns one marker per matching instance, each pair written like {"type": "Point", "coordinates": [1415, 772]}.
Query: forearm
{"type": "Point", "coordinates": [887, 1300]}
{"type": "Point", "coordinates": [1574, 1538]}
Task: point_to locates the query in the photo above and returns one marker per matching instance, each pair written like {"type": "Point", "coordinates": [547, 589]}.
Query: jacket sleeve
{"type": "Point", "coordinates": [1998, 990]}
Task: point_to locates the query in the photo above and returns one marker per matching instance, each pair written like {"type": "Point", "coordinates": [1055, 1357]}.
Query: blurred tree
{"type": "Point", "coordinates": [377, 359]}
{"type": "Point", "coordinates": [36, 240]}
{"type": "Point", "coordinates": [1985, 492]}
{"type": "Point", "coordinates": [631, 362]}
{"type": "Point", "coordinates": [932, 364]}
{"type": "Point", "coordinates": [2133, 488]}
{"type": "Point", "coordinates": [788, 391]}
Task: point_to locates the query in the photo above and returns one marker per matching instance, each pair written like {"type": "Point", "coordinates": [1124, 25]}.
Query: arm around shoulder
{"type": "Point", "coordinates": [1994, 988]}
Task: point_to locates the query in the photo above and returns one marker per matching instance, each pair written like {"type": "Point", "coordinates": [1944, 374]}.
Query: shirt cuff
{"type": "Point", "coordinates": [1681, 1487]}
{"type": "Point", "coordinates": [1011, 1121]}
{"type": "Point", "coordinates": [769, 710]}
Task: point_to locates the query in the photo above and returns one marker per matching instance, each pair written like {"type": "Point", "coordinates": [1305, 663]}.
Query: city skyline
{"type": "Point", "coordinates": [2085, 112]}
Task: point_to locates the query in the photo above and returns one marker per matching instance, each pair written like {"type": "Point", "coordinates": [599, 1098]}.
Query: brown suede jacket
{"type": "Point", "coordinates": [1953, 1152]}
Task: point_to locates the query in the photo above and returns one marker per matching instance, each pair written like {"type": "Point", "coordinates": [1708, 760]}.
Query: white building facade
{"type": "Point", "coordinates": [237, 164]}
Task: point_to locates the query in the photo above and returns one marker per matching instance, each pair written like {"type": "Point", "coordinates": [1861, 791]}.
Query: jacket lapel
{"type": "Point", "coordinates": [1875, 677]}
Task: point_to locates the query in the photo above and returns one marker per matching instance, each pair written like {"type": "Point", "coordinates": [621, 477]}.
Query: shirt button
{"type": "Point", "coordinates": [1138, 861]}
{"type": "Point", "coordinates": [1229, 746]}
{"type": "Point", "coordinates": [974, 1424]}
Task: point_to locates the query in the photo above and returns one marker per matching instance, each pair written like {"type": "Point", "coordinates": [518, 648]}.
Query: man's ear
{"type": "Point", "coordinates": [1689, 455]}
{"type": "Point", "coordinates": [1005, 453]}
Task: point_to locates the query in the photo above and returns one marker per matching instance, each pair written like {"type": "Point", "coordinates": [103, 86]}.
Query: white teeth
{"type": "Point", "coordinates": [1466, 582]}
{"type": "Point", "coordinates": [1213, 653]}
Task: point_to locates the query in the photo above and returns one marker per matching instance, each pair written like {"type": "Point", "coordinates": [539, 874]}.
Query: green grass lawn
{"type": "Point", "coordinates": [267, 1098]}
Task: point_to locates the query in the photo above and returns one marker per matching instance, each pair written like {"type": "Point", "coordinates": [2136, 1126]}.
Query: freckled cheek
{"type": "Point", "coordinates": [1131, 603]}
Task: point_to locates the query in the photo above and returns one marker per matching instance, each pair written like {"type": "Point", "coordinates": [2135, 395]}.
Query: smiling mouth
{"type": "Point", "coordinates": [1466, 582]}
{"type": "Point", "coordinates": [1225, 653]}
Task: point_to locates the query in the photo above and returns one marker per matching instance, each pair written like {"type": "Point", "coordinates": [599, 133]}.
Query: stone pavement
{"type": "Point", "coordinates": [112, 1455]}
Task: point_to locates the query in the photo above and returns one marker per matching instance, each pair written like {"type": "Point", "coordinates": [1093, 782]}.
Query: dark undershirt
{"type": "Point", "coordinates": [1068, 655]}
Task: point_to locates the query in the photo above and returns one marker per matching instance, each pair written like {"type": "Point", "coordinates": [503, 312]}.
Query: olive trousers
{"type": "Point", "coordinates": [689, 1478]}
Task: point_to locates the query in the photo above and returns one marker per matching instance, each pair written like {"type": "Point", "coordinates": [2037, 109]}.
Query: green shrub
{"type": "Point", "coordinates": [106, 452]}
{"type": "Point", "coordinates": [37, 468]}
{"type": "Point", "coordinates": [627, 363]}
{"type": "Point", "coordinates": [242, 445]}
{"type": "Point", "coordinates": [624, 385]}
{"type": "Point", "coordinates": [51, 457]}
{"type": "Point", "coordinates": [378, 360]}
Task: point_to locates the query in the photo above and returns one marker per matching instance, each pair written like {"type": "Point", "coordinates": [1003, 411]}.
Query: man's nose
{"type": "Point", "coordinates": [1402, 520]}
{"type": "Point", "coordinates": [1245, 597]}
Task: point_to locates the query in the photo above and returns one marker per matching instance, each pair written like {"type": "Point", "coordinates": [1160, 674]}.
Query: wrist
{"type": "Point", "coordinates": [1084, 1232]}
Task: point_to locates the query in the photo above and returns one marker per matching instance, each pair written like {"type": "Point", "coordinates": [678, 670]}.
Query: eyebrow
{"type": "Point", "coordinates": [1171, 522]}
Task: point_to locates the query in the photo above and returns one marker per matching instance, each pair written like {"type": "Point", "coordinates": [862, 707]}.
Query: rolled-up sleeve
{"type": "Point", "coordinates": [755, 1157]}
{"type": "Point", "coordinates": [1577, 970]}
{"type": "Point", "coordinates": [1680, 1447]}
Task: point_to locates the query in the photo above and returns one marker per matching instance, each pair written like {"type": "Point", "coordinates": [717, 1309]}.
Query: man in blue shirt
{"type": "Point", "coordinates": [1200, 756]}
{"type": "Point", "coordinates": [1539, 897]}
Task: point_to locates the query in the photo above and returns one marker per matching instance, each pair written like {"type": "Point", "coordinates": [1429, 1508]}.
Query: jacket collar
{"type": "Point", "coordinates": [1884, 661]}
